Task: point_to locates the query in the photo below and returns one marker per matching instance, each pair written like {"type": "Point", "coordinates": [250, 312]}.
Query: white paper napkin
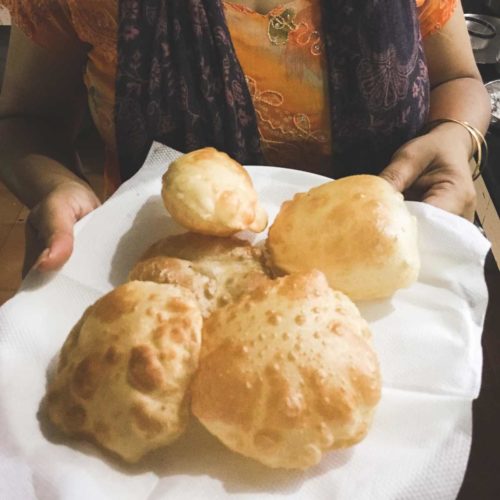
{"type": "Point", "coordinates": [427, 338]}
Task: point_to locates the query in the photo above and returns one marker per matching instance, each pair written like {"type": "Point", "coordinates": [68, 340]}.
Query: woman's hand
{"type": "Point", "coordinates": [41, 108]}
{"type": "Point", "coordinates": [434, 168]}
{"type": "Point", "coordinates": [49, 227]}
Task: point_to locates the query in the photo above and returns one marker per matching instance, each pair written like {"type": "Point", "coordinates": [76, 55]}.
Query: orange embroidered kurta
{"type": "Point", "coordinates": [280, 52]}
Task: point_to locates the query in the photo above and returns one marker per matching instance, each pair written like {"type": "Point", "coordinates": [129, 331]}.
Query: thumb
{"type": "Point", "coordinates": [58, 251]}
{"type": "Point", "coordinates": [49, 228]}
{"type": "Point", "coordinates": [407, 165]}
{"type": "Point", "coordinates": [50, 232]}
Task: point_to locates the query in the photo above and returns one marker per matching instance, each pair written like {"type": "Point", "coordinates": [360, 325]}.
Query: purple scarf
{"type": "Point", "coordinates": [179, 82]}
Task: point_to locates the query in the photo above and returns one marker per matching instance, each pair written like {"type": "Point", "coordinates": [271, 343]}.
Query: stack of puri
{"type": "Point", "coordinates": [280, 370]}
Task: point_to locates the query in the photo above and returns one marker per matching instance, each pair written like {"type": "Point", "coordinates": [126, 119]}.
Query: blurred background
{"type": "Point", "coordinates": [483, 22]}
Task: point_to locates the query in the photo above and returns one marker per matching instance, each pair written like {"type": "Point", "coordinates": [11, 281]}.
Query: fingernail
{"type": "Point", "coordinates": [43, 256]}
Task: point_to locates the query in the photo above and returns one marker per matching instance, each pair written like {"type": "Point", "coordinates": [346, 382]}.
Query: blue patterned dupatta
{"type": "Point", "coordinates": [179, 82]}
{"type": "Point", "coordinates": [378, 80]}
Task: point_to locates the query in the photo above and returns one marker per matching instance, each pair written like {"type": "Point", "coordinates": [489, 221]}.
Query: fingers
{"type": "Point", "coordinates": [447, 185]}
{"type": "Point", "coordinates": [408, 164]}
{"type": "Point", "coordinates": [451, 200]}
{"type": "Point", "coordinates": [432, 169]}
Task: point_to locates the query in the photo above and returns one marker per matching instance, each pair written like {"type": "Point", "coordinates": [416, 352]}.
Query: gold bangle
{"type": "Point", "coordinates": [479, 144]}
{"type": "Point", "coordinates": [479, 152]}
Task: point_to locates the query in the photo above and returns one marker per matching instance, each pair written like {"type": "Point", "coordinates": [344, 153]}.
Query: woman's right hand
{"type": "Point", "coordinates": [49, 227]}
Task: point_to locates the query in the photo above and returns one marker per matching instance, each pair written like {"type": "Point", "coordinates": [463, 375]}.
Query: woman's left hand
{"type": "Point", "coordinates": [434, 168]}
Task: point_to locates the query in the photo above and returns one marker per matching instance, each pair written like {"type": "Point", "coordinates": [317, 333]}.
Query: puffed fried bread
{"type": "Point", "coordinates": [124, 370]}
{"type": "Point", "coordinates": [357, 230]}
{"type": "Point", "coordinates": [217, 270]}
{"type": "Point", "coordinates": [208, 192]}
{"type": "Point", "coordinates": [287, 373]}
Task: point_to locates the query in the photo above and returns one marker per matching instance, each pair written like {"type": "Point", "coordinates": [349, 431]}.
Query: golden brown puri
{"type": "Point", "coordinates": [208, 192]}
{"type": "Point", "coordinates": [357, 230]}
{"type": "Point", "coordinates": [287, 373]}
{"type": "Point", "coordinates": [217, 270]}
{"type": "Point", "coordinates": [179, 272]}
{"type": "Point", "coordinates": [125, 368]}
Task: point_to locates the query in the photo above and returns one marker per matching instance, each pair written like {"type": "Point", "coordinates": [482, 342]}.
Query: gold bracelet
{"type": "Point", "coordinates": [479, 152]}
{"type": "Point", "coordinates": [479, 144]}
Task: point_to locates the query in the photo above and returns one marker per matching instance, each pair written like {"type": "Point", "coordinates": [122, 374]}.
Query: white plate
{"type": "Point", "coordinates": [427, 337]}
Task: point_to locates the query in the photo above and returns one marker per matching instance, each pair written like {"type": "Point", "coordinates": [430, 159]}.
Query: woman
{"type": "Point", "coordinates": [323, 85]}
